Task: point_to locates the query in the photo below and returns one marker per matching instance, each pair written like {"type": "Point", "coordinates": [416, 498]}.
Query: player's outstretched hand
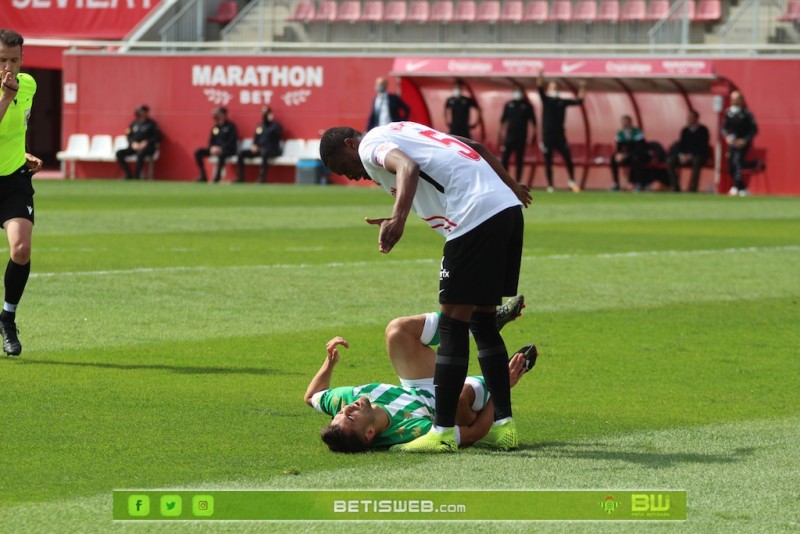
{"type": "Point", "coordinates": [391, 231]}
{"type": "Point", "coordinates": [333, 352]}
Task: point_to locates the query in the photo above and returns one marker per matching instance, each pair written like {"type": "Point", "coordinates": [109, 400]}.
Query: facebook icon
{"type": "Point", "coordinates": [138, 505]}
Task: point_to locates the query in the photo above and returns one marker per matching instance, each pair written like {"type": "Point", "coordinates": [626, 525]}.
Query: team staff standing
{"type": "Point", "coordinates": [457, 111]}
{"type": "Point", "coordinates": [554, 109]}
{"type": "Point", "coordinates": [16, 189]}
{"type": "Point", "coordinates": [463, 192]}
{"type": "Point", "coordinates": [386, 107]}
{"type": "Point", "coordinates": [143, 138]}
{"type": "Point", "coordinates": [222, 143]}
{"type": "Point", "coordinates": [517, 114]}
{"type": "Point", "coordinates": [739, 128]}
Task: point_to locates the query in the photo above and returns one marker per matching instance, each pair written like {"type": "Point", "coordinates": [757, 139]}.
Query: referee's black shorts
{"type": "Point", "coordinates": [482, 266]}
{"type": "Point", "coordinates": [16, 195]}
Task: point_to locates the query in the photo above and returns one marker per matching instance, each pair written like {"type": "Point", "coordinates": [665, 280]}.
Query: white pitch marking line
{"type": "Point", "coordinates": [147, 270]}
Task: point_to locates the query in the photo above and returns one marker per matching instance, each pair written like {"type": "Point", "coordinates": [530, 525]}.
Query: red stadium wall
{"type": "Point", "coordinates": [310, 94]}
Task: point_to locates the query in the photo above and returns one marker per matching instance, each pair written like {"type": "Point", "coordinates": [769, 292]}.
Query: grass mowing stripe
{"type": "Point", "coordinates": [739, 477]}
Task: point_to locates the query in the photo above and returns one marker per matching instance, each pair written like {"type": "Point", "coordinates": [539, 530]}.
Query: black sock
{"type": "Point", "coordinates": [15, 279]}
{"type": "Point", "coordinates": [452, 361]}
{"type": "Point", "coordinates": [493, 358]}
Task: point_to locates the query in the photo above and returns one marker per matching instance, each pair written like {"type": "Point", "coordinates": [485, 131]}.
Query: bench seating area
{"type": "Point", "coordinates": [97, 148]}
{"type": "Point", "coordinates": [102, 148]}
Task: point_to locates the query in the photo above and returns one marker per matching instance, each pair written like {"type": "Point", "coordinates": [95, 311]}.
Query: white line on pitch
{"type": "Point", "coordinates": [198, 268]}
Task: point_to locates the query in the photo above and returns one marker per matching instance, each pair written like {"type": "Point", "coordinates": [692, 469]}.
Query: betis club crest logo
{"type": "Point", "coordinates": [609, 504]}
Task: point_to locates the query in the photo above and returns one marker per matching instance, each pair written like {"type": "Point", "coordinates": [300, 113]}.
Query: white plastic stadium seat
{"type": "Point", "coordinates": [293, 150]}
{"type": "Point", "coordinates": [120, 142]}
{"type": "Point", "coordinates": [101, 149]}
{"type": "Point", "coordinates": [312, 149]}
{"type": "Point", "coordinates": [77, 148]}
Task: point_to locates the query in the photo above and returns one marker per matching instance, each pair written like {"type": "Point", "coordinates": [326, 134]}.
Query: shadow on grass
{"type": "Point", "coordinates": [653, 459]}
{"type": "Point", "coordinates": [159, 367]}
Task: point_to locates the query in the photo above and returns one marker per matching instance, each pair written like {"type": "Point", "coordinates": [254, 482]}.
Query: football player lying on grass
{"type": "Point", "coordinates": [380, 415]}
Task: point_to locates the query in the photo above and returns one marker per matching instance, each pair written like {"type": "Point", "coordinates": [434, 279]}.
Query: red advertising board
{"type": "Point", "coordinates": [90, 19]}
{"type": "Point", "coordinates": [622, 67]}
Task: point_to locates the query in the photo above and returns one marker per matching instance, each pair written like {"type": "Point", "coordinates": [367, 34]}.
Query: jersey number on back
{"type": "Point", "coordinates": [446, 140]}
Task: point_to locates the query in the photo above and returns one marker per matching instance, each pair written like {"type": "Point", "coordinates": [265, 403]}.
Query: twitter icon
{"type": "Point", "coordinates": [171, 505]}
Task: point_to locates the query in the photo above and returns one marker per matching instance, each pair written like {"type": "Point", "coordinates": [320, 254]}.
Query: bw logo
{"type": "Point", "coordinates": [652, 502]}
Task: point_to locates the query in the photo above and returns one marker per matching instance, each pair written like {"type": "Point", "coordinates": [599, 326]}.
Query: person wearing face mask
{"type": "Point", "coordinates": [631, 152]}
{"type": "Point", "coordinates": [457, 110]}
{"type": "Point", "coordinates": [738, 128]}
{"type": "Point", "coordinates": [554, 138]}
{"type": "Point", "coordinates": [266, 145]}
{"type": "Point", "coordinates": [513, 136]}
{"type": "Point", "coordinates": [221, 143]}
{"type": "Point", "coordinates": [386, 107]}
{"type": "Point", "coordinates": [143, 138]}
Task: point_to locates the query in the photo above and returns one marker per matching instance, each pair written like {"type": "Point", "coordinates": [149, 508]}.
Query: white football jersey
{"type": "Point", "coordinates": [457, 188]}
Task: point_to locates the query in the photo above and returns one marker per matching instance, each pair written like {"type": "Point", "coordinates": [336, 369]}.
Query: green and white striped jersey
{"type": "Point", "coordinates": [410, 410]}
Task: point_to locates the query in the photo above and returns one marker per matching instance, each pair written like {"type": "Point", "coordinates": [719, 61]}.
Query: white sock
{"type": "Point", "coordinates": [10, 308]}
{"type": "Point", "coordinates": [501, 421]}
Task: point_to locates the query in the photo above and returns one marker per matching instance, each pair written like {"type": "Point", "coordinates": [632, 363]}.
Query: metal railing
{"type": "Point", "coordinates": [359, 49]}
{"type": "Point", "coordinates": [188, 24]}
{"type": "Point", "coordinates": [754, 21]}
{"type": "Point", "coordinates": [673, 27]}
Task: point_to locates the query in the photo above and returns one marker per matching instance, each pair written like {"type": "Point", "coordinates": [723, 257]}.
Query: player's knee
{"type": "Point", "coordinates": [21, 253]}
{"type": "Point", "coordinates": [394, 330]}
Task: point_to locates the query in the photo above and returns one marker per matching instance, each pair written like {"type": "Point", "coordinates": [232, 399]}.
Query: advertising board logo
{"type": "Point", "coordinates": [257, 84]}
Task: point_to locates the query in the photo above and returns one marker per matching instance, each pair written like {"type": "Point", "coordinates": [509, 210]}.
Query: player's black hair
{"type": "Point", "coordinates": [11, 38]}
{"type": "Point", "coordinates": [332, 140]}
{"type": "Point", "coordinates": [338, 440]}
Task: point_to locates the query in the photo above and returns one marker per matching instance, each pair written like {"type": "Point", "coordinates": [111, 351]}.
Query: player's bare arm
{"type": "Point", "coordinates": [322, 380]}
{"type": "Point", "coordinates": [407, 171]}
{"type": "Point", "coordinates": [522, 191]}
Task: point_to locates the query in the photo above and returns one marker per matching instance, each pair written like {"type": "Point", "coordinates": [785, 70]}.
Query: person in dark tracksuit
{"type": "Point", "coordinates": [143, 138]}
{"type": "Point", "coordinates": [266, 145]}
{"type": "Point", "coordinates": [221, 143]}
{"type": "Point", "coordinates": [554, 138]}
{"type": "Point", "coordinates": [738, 128]}
{"type": "Point", "coordinates": [457, 110]}
{"type": "Point", "coordinates": [691, 149]}
{"type": "Point", "coordinates": [517, 114]}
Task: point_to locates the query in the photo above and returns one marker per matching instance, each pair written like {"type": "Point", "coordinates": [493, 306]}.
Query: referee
{"type": "Point", "coordinates": [16, 190]}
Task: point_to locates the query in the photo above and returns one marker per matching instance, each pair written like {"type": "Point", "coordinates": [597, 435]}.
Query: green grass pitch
{"type": "Point", "coordinates": [170, 330]}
